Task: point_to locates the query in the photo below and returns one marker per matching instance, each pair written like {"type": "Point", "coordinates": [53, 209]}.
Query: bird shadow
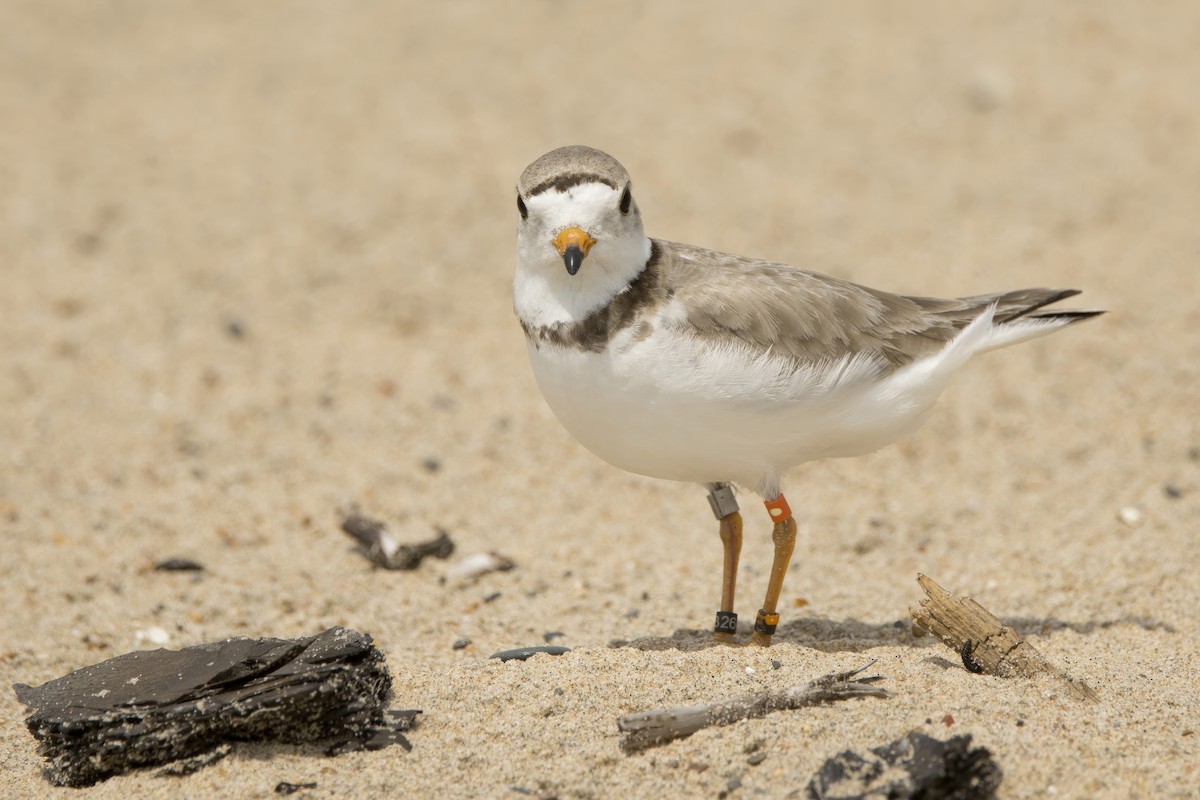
{"type": "Point", "coordinates": [855, 636]}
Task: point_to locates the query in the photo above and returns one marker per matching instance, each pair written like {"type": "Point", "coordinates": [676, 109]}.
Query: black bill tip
{"type": "Point", "coordinates": [573, 258]}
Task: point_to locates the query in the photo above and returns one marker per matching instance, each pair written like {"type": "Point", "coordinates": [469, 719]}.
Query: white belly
{"type": "Point", "coordinates": [677, 408]}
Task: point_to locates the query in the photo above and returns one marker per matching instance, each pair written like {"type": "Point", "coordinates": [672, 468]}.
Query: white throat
{"type": "Point", "coordinates": [543, 292]}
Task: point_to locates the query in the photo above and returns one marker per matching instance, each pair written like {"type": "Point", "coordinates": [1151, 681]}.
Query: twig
{"type": "Point", "coordinates": [378, 545]}
{"type": "Point", "coordinates": [984, 643]}
{"type": "Point", "coordinates": [650, 728]}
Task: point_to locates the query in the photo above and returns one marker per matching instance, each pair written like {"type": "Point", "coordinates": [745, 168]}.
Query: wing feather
{"type": "Point", "coordinates": [812, 318]}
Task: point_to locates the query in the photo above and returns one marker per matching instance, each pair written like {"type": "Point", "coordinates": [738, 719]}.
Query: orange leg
{"type": "Point", "coordinates": [784, 537]}
{"type": "Point", "coordinates": [725, 509]}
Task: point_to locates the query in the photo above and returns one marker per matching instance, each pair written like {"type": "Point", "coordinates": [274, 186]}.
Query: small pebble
{"type": "Point", "coordinates": [776, 664]}
{"type": "Point", "coordinates": [550, 636]}
{"type": "Point", "coordinates": [235, 328]}
{"type": "Point", "coordinates": [459, 644]}
{"type": "Point", "coordinates": [1131, 516]}
{"type": "Point", "coordinates": [491, 597]}
{"type": "Point", "coordinates": [757, 758]}
{"type": "Point", "coordinates": [1172, 491]}
{"type": "Point", "coordinates": [179, 565]}
{"type": "Point", "coordinates": [522, 653]}
{"type": "Point", "coordinates": [473, 566]}
{"type": "Point", "coordinates": [153, 635]}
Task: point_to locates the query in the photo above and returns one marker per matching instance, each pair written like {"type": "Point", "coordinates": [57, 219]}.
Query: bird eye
{"type": "Point", "coordinates": [626, 200]}
{"type": "Point", "coordinates": [521, 208]}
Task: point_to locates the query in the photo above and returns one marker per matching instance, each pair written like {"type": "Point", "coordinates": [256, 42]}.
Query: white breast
{"type": "Point", "coordinates": [675, 407]}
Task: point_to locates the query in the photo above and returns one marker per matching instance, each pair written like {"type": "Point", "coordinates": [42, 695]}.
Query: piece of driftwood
{"type": "Point", "coordinates": [378, 545]}
{"type": "Point", "coordinates": [982, 641]}
{"type": "Point", "coordinates": [651, 728]}
{"type": "Point", "coordinates": [183, 707]}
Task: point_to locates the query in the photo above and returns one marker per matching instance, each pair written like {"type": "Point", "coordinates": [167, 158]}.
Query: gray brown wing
{"type": "Point", "coordinates": [812, 317]}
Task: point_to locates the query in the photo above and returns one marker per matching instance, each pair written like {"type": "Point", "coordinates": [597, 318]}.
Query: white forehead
{"type": "Point", "coordinates": [581, 205]}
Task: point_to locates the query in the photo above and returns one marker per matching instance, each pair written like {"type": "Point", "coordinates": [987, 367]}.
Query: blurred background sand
{"type": "Point", "coordinates": [255, 267]}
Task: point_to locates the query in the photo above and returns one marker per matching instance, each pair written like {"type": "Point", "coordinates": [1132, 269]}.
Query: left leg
{"type": "Point", "coordinates": [784, 537]}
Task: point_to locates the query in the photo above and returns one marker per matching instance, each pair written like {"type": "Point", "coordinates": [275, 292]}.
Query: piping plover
{"type": "Point", "coordinates": [677, 362]}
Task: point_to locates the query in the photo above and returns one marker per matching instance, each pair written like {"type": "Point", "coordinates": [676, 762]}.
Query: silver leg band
{"type": "Point", "coordinates": [722, 501]}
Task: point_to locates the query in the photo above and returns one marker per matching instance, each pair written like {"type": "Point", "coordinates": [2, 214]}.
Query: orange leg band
{"type": "Point", "coordinates": [778, 509]}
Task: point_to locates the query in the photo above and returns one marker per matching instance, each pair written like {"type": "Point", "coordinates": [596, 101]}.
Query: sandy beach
{"type": "Point", "coordinates": [255, 271]}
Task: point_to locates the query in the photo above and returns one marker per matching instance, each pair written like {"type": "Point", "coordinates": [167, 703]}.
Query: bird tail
{"type": "Point", "coordinates": [1023, 315]}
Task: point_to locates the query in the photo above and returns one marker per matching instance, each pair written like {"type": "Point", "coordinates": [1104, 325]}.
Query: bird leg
{"type": "Point", "coordinates": [784, 537]}
{"type": "Point", "coordinates": [725, 509]}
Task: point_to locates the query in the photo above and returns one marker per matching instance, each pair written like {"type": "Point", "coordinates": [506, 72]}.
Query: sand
{"type": "Point", "coordinates": [255, 268]}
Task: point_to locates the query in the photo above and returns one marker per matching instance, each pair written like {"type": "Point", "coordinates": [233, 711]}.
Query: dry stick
{"type": "Point", "coordinates": [379, 546]}
{"type": "Point", "coordinates": [656, 727]}
{"type": "Point", "coordinates": [984, 642]}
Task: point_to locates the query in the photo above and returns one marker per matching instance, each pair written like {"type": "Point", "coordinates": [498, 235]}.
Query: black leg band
{"type": "Point", "coordinates": [726, 622]}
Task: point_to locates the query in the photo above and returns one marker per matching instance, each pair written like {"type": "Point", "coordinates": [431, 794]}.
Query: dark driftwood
{"type": "Point", "coordinates": [982, 641]}
{"type": "Point", "coordinates": [183, 707]}
{"type": "Point", "coordinates": [650, 728]}
{"type": "Point", "coordinates": [913, 766]}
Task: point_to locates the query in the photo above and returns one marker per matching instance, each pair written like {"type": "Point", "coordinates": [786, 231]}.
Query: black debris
{"type": "Point", "coordinates": [378, 545]}
{"type": "Point", "coordinates": [522, 653]}
{"type": "Point", "coordinates": [431, 464]}
{"type": "Point", "coordinates": [283, 787]}
{"type": "Point", "coordinates": [914, 766]}
{"type": "Point", "coordinates": [169, 706]}
{"type": "Point", "coordinates": [179, 565]}
{"type": "Point", "coordinates": [384, 734]}
{"type": "Point", "coordinates": [459, 644]}
{"type": "Point", "coordinates": [1172, 491]}
{"type": "Point", "coordinates": [968, 659]}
